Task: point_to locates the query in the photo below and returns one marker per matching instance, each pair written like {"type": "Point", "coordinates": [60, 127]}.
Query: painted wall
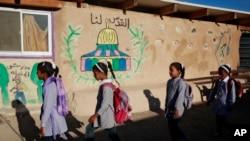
{"type": "Point", "coordinates": [140, 46]}
{"type": "Point", "coordinates": [18, 80]}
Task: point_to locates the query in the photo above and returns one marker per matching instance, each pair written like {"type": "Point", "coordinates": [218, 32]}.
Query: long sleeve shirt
{"type": "Point", "coordinates": [223, 100]}
{"type": "Point", "coordinates": [49, 116]}
{"type": "Point", "coordinates": [175, 96]}
{"type": "Point", "coordinates": [105, 107]}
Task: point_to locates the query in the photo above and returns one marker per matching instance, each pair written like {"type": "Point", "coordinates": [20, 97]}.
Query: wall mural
{"type": "Point", "coordinates": [70, 44]}
{"type": "Point", "coordinates": [222, 49]}
{"type": "Point", "coordinates": [106, 50]}
{"type": "Point", "coordinates": [19, 88]}
{"type": "Point", "coordinates": [4, 81]}
{"type": "Point", "coordinates": [37, 82]}
{"type": "Point", "coordinates": [14, 84]}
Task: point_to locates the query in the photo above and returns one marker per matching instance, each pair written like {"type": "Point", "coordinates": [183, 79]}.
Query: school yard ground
{"type": "Point", "coordinates": [198, 123]}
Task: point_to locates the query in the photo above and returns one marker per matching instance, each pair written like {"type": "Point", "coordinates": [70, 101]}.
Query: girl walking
{"type": "Point", "coordinates": [104, 112]}
{"type": "Point", "coordinates": [52, 124]}
{"type": "Point", "coordinates": [174, 108]}
{"type": "Point", "coordinates": [224, 101]}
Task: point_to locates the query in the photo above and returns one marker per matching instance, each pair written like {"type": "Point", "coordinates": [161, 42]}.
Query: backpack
{"type": "Point", "coordinates": [238, 88]}
{"type": "Point", "coordinates": [62, 106]}
{"type": "Point", "coordinates": [189, 96]}
{"type": "Point", "coordinates": [121, 104]}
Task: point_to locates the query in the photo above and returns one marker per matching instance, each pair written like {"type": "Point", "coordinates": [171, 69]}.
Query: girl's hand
{"type": "Point", "coordinates": [176, 113]}
{"type": "Point", "coordinates": [42, 131]}
{"type": "Point", "coordinates": [92, 118]}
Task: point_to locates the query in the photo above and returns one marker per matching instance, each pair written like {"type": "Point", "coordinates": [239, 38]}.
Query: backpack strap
{"type": "Point", "coordinates": [229, 85]}
{"type": "Point", "coordinates": [110, 85]}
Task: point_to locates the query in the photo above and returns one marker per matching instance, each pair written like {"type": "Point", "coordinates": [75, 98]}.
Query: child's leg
{"type": "Point", "coordinates": [89, 132]}
{"type": "Point", "coordinates": [47, 138]}
{"type": "Point", "coordinates": [113, 134]}
{"type": "Point", "coordinates": [51, 138]}
{"type": "Point", "coordinates": [175, 132]}
{"type": "Point", "coordinates": [221, 122]}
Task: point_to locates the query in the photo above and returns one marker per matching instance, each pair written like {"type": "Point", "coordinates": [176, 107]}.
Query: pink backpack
{"type": "Point", "coordinates": [122, 107]}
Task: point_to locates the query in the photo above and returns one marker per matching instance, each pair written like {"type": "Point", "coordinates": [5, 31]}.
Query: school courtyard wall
{"type": "Point", "coordinates": [140, 46]}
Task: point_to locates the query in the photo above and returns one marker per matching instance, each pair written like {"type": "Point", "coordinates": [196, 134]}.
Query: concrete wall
{"type": "Point", "coordinates": [200, 46]}
{"type": "Point", "coordinates": [143, 44]}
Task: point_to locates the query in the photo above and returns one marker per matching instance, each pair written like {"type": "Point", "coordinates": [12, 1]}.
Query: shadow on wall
{"type": "Point", "coordinates": [26, 124]}
{"type": "Point", "coordinates": [154, 103]}
{"type": "Point", "coordinates": [74, 126]}
{"type": "Point", "coordinates": [204, 92]}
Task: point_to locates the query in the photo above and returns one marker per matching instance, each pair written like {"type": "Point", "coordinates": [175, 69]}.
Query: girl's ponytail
{"type": "Point", "coordinates": [182, 71]}
{"type": "Point", "coordinates": [112, 72]}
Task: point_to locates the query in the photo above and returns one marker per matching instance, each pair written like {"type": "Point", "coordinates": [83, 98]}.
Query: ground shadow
{"type": "Point", "coordinates": [26, 124]}
{"type": "Point", "coordinates": [198, 123]}
{"type": "Point", "coordinates": [74, 126]}
{"type": "Point", "coordinates": [154, 103]}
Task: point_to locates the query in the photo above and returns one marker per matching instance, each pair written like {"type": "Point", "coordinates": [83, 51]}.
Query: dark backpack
{"type": "Point", "coordinates": [238, 88]}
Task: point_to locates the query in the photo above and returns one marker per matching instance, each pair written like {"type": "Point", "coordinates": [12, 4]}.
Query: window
{"type": "Point", "coordinates": [25, 33]}
{"type": "Point", "coordinates": [245, 51]}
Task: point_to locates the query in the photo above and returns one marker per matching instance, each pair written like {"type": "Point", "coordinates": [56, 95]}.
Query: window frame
{"type": "Point", "coordinates": [244, 51]}
{"type": "Point", "coordinates": [33, 54]}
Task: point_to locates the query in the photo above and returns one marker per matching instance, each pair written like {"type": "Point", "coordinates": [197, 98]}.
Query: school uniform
{"type": "Point", "coordinates": [174, 101]}
{"type": "Point", "coordinates": [223, 103]}
{"type": "Point", "coordinates": [104, 106]}
{"type": "Point", "coordinates": [105, 110]}
{"type": "Point", "coordinates": [53, 123]}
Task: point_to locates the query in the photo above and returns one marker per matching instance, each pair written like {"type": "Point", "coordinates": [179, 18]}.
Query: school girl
{"type": "Point", "coordinates": [174, 108]}
{"type": "Point", "coordinates": [104, 112]}
{"type": "Point", "coordinates": [52, 124]}
{"type": "Point", "coordinates": [224, 101]}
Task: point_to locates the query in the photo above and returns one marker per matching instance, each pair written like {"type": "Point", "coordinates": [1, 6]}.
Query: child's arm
{"type": "Point", "coordinates": [213, 92]}
{"type": "Point", "coordinates": [48, 104]}
{"type": "Point", "coordinates": [180, 99]}
{"type": "Point", "coordinates": [166, 99]}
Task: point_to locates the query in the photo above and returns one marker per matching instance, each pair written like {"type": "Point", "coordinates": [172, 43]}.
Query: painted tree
{"type": "Point", "coordinates": [4, 80]}
{"type": "Point", "coordinates": [37, 82]}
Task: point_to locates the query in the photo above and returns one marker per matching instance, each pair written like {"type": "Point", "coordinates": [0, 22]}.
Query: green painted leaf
{"type": "Point", "coordinates": [71, 28]}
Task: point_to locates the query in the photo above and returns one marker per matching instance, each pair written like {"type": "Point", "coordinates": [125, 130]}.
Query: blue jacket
{"type": "Point", "coordinates": [223, 101]}
{"type": "Point", "coordinates": [175, 96]}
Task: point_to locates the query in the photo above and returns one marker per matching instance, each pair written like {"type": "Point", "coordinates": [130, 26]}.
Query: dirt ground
{"type": "Point", "coordinates": [198, 123]}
